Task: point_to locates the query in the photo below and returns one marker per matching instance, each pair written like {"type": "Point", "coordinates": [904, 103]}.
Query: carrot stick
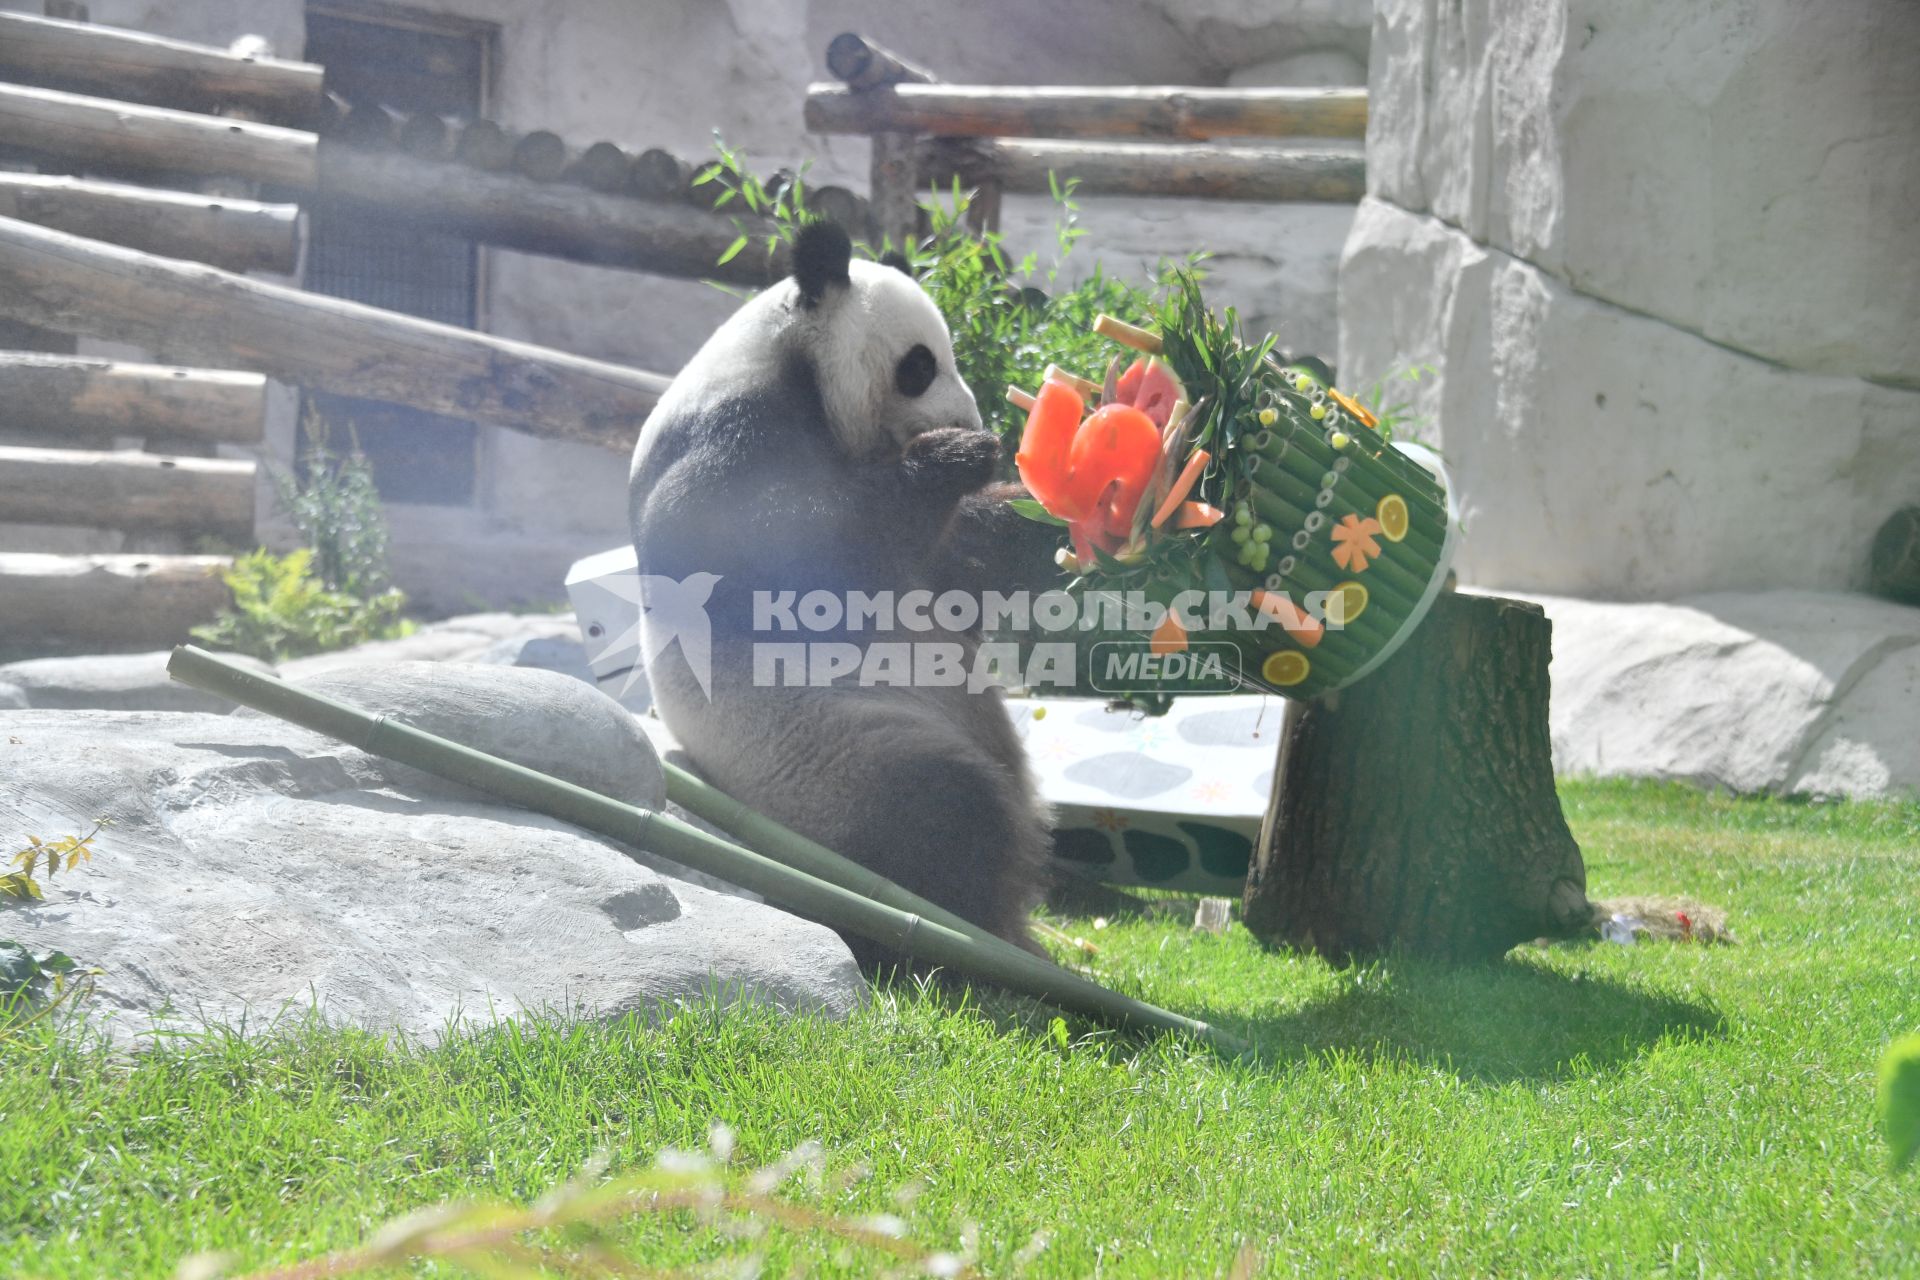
{"type": "Point", "coordinates": [1299, 624]}
{"type": "Point", "coordinates": [1169, 636]}
{"type": "Point", "coordinates": [1189, 475]}
{"type": "Point", "coordinates": [1198, 515]}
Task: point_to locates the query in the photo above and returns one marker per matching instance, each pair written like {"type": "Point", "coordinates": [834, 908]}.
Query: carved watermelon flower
{"type": "Point", "coordinates": [1353, 543]}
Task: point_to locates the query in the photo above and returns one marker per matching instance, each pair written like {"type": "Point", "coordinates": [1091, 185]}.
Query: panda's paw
{"type": "Point", "coordinates": [954, 459]}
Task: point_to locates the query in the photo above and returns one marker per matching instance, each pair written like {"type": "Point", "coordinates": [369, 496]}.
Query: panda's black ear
{"type": "Point", "coordinates": [898, 261]}
{"type": "Point", "coordinates": [821, 253]}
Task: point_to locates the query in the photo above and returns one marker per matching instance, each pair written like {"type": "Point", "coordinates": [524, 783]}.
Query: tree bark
{"type": "Point", "coordinates": [126, 490]}
{"type": "Point", "coordinates": [79, 397]}
{"type": "Point", "coordinates": [1415, 812]}
{"type": "Point", "coordinates": [240, 235]}
{"type": "Point", "coordinates": [183, 311]}
{"type": "Point", "coordinates": [134, 66]}
{"type": "Point", "coordinates": [997, 111]}
{"type": "Point", "coordinates": [100, 131]}
{"type": "Point", "coordinates": [84, 604]}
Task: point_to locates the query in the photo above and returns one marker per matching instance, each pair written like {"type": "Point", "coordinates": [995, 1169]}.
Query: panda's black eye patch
{"type": "Point", "coordinates": [914, 374]}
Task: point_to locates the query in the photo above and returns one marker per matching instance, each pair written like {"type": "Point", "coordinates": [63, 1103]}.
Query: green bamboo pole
{"type": "Point", "coordinates": [762, 834]}
{"type": "Point", "coordinates": [839, 907]}
{"type": "Point", "coordinates": [1274, 510]}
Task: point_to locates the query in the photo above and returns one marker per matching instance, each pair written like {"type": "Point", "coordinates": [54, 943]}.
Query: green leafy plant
{"type": "Point", "coordinates": [1900, 1099]}
{"type": "Point", "coordinates": [20, 883]}
{"type": "Point", "coordinates": [334, 592]}
{"type": "Point", "coordinates": [1397, 418]}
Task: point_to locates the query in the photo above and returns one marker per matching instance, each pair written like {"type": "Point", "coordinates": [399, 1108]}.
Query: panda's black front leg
{"type": "Point", "coordinates": [947, 464]}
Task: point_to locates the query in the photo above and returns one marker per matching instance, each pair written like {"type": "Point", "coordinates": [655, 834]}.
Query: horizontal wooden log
{"type": "Point", "coordinates": [82, 397]}
{"type": "Point", "coordinates": [85, 603]}
{"type": "Point", "coordinates": [995, 111]}
{"type": "Point", "coordinates": [601, 167]}
{"type": "Point", "coordinates": [240, 235]}
{"type": "Point", "coordinates": [517, 213]}
{"type": "Point", "coordinates": [540, 155]}
{"type": "Point", "coordinates": [862, 64]}
{"type": "Point", "coordinates": [134, 66]}
{"type": "Point", "coordinates": [128, 490]}
{"type": "Point", "coordinates": [184, 311]}
{"type": "Point", "coordinates": [659, 175]}
{"type": "Point", "coordinates": [1149, 169]}
{"type": "Point", "coordinates": [99, 131]}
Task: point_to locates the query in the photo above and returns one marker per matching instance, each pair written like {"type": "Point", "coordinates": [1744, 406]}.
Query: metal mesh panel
{"type": "Point", "coordinates": [390, 263]}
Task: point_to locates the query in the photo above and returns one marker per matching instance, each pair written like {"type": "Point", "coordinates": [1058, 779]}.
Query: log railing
{"type": "Point", "coordinates": [79, 399]}
{"type": "Point", "coordinates": [143, 68]}
{"type": "Point", "coordinates": [1163, 141]}
{"type": "Point", "coordinates": [240, 235]}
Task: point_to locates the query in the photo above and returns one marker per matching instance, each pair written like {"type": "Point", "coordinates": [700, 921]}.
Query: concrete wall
{"type": "Point", "coordinates": [669, 72]}
{"type": "Point", "coordinates": [1662, 255]}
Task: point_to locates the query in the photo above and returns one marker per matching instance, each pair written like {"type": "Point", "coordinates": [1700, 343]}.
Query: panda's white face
{"type": "Point", "coordinates": [883, 359]}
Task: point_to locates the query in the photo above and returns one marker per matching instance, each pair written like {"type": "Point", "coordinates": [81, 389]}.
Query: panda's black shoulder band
{"type": "Point", "coordinates": [821, 253]}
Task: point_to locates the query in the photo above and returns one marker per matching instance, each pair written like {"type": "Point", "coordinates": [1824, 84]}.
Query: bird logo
{"type": "Point", "coordinates": [668, 610]}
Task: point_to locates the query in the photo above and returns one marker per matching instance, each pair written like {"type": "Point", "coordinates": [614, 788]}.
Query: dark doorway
{"type": "Point", "coordinates": [408, 62]}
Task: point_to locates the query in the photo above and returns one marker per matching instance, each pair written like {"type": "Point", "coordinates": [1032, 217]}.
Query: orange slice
{"type": "Point", "coordinates": [1346, 602]}
{"type": "Point", "coordinates": [1285, 668]}
{"type": "Point", "coordinates": [1393, 518]}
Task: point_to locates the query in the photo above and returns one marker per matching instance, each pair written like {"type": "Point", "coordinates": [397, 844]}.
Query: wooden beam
{"type": "Point", "coordinates": [78, 397]}
{"type": "Point", "coordinates": [83, 603]}
{"type": "Point", "coordinates": [862, 64]}
{"type": "Point", "coordinates": [513, 212]}
{"type": "Point", "coordinates": [240, 235]}
{"type": "Point", "coordinates": [995, 111]}
{"type": "Point", "coordinates": [169, 73]}
{"type": "Point", "coordinates": [99, 131]}
{"type": "Point", "coordinates": [123, 489]}
{"type": "Point", "coordinates": [184, 311]}
{"type": "Point", "coordinates": [1153, 169]}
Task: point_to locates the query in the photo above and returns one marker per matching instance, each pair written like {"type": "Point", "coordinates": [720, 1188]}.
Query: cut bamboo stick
{"type": "Point", "coordinates": [240, 235]}
{"type": "Point", "coordinates": [1020, 399]}
{"type": "Point", "coordinates": [822, 899]}
{"type": "Point", "coordinates": [101, 131]}
{"type": "Point", "coordinates": [1164, 112]}
{"type": "Point", "coordinates": [185, 311]}
{"type": "Point", "coordinates": [124, 489]}
{"type": "Point", "coordinates": [134, 66]}
{"type": "Point", "coordinates": [79, 396]}
{"type": "Point", "coordinates": [1127, 335]}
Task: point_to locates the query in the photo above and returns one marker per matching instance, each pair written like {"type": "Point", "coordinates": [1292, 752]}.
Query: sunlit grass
{"type": "Point", "coordinates": [1584, 1110]}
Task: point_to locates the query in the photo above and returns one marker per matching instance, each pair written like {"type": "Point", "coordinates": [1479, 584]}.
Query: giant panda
{"type": "Point", "coordinates": [822, 439]}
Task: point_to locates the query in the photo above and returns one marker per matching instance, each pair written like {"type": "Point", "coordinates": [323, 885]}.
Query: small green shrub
{"type": "Point", "coordinates": [334, 592]}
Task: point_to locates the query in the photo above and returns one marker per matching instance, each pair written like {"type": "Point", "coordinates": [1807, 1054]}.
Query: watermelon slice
{"type": "Point", "coordinates": [1150, 386]}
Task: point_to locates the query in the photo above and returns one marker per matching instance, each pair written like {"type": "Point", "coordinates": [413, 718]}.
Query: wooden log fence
{"type": "Point", "coordinates": [172, 73]}
{"type": "Point", "coordinates": [82, 397]}
{"type": "Point", "coordinates": [81, 603]}
{"type": "Point", "coordinates": [240, 235]}
{"type": "Point", "coordinates": [1270, 173]}
{"type": "Point", "coordinates": [126, 489]}
{"type": "Point", "coordinates": [1171, 114]}
{"type": "Point", "coordinates": [184, 311]}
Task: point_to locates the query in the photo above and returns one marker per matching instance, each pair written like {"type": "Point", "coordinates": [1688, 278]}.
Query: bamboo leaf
{"type": "Point", "coordinates": [1034, 511]}
{"type": "Point", "coordinates": [732, 251]}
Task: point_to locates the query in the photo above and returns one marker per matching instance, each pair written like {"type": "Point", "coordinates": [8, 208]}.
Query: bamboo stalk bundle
{"type": "Point", "coordinates": [185, 311]}
{"type": "Point", "coordinates": [137, 67]}
{"type": "Point", "coordinates": [824, 894]}
{"type": "Point", "coordinates": [82, 396]}
{"type": "Point", "coordinates": [1165, 112]}
{"type": "Point", "coordinates": [240, 235]}
{"type": "Point", "coordinates": [1285, 490]}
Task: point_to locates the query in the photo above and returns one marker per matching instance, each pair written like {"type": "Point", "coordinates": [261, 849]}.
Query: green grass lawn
{"type": "Point", "coordinates": [1596, 1110]}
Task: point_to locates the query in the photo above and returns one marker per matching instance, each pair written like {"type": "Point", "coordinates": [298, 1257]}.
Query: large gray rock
{"type": "Point", "coordinates": [541, 719]}
{"type": "Point", "coordinates": [107, 682]}
{"type": "Point", "coordinates": [473, 637]}
{"type": "Point", "coordinates": [253, 868]}
{"type": "Point", "coordinates": [1782, 691]}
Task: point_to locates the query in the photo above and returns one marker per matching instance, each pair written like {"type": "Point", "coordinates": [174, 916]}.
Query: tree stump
{"type": "Point", "coordinates": [1415, 812]}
